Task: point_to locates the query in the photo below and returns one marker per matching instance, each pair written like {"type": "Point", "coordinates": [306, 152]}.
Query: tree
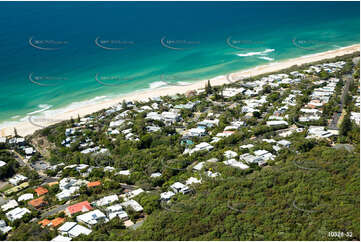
{"type": "Point", "coordinates": [346, 125]}
{"type": "Point", "coordinates": [208, 87]}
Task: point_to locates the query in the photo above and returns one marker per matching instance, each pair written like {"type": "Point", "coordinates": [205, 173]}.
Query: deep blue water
{"type": "Point", "coordinates": [66, 73]}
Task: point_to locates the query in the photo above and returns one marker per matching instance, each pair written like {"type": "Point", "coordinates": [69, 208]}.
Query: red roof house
{"type": "Point", "coordinates": [94, 184]}
{"type": "Point", "coordinates": [78, 207]}
{"type": "Point", "coordinates": [41, 191]}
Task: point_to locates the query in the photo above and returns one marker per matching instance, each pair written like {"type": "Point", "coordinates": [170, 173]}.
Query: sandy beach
{"type": "Point", "coordinates": [28, 127]}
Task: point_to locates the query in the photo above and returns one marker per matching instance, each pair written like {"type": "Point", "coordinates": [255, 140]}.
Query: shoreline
{"type": "Point", "coordinates": [28, 127]}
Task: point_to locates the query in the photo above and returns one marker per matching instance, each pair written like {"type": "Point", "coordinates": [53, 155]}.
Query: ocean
{"type": "Point", "coordinates": [56, 56]}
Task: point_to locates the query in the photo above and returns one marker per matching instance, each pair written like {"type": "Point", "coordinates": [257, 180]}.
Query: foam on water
{"type": "Point", "coordinates": [266, 58]}
{"type": "Point", "coordinates": [157, 84]}
{"type": "Point", "coordinates": [256, 53]}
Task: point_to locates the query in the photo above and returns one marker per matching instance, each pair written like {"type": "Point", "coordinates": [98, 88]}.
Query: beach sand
{"type": "Point", "coordinates": [28, 127]}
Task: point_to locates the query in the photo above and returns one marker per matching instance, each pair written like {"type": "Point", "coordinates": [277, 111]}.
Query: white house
{"type": "Point", "coordinates": [133, 204]}
{"type": "Point", "coordinates": [106, 200]}
{"type": "Point", "coordinates": [17, 213]}
{"type": "Point", "coordinates": [4, 229]}
{"type": "Point", "coordinates": [234, 163]}
{"type": "Point", "coordinates": [66, 227]}
{"type": "Point", "coordinates": [78, 230]}
{"type": "Point", "coordinates": [192, 180]}
{"type": "Point", "coordinates": [179, 187]}
{"type": "Point", "coordinates": [230, 154]}
{"type": "Point", "coordinates": [199, 166]}
{"type": "Point", "coordinates": [116, 210]}
{"type": "Point", "coordinates": [166, 195]}
{"type": "Point", "coordinates": [91, 218]}
{"type": "Point", "coordinates": [9, 205]}
{"type": "Point", "coordinates": [25, 197]}
{"type": "Point", "coordinates": [17, 179]}
{"type": "Point", "coordinates": [276, 123]}
{"type": "Point", "coordinates": [61, 238]}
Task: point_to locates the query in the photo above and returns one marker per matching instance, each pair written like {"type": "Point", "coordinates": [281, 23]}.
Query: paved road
{"type": "Point", "coordinates": [137, 225]}
{"type": "Point", "coordinates": [336, 116]}
{"type": "Point", "coordinates": [55, 210]}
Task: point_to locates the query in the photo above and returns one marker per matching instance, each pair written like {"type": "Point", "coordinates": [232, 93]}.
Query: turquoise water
{"type": "Point", "coordinates": [66, 67]}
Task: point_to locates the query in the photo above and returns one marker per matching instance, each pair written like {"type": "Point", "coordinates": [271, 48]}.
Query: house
{"type": "Point", "coordinates": [38, 203]}
{"type": "Point", "coordinates": [284, 143]}
{"type": "Point", "coordinates": [200, 147]}
{"type": "Point", "coordinates": [29, 151]}
{"type": "Point", "coordinates": [124, 173]}
{"type": "Point", "coordinates": [250, 159]}
{"type": "Point", "coordinates": [9, 205]}
{"type": "Point", "coordinates": [264, 155]}
{"type": "Point", "coordinates": [93, 184]}
{"type": "Point", "coordinates": [4, 229]}
{"type": "Point", "coordinates": [25, 197]}
{"type": "Point", "coordinates": [156, 174]}
{"type": "Point", "coordinates": [44, 223]}
{"type": "Point", "coordinates": [61, 238]}
{"type": "Point", "coordinates": [208, 123]}
{"type": "Point", "coordinates": [41, 191]}
{"type": "Point", "coordinates": [106, 200]}
{"type": "Point", "coordinates": [15, 180]}
{"type": "Point", "coordinates": [195, 132]}
{"type": "Point", "coordinates": [133, 204]}
{"type": "Point", "coordinates": [234, 163]}
{"type": "Point", "coordinates": [276, 123]}
{"type": "Point", "coordinates": [66, 227]}
{"type": "Point", "coordinates": [91, 218]}
{"type": "Point", "coordinates": [17, 213]}
{"type": "Point", "coordinates": [56, 222]}
{"type": "Point", "coordinates": [215, 140]}
{"type": "Point", "coordinates": [199, 166]}
{"type": "Point", "coordinates": [165, 196]}
{"type": "Point", "coordinates": [116, 210]}
{"type": "Point", "coordinates": [16, 188]}
{"type": "Point", "coordinates": [170, 117]}
{"type": "Point", "coordinates": [79, 207]}
{"type": "Point", "coordinates": [67, 193]}
{"type": "Point", "coordinates": [213, 174]}
{"type": "Point", "coordinates": [318, 132]}
{"type": "Point", "coordinates": [109, 169]}
{"type": "Point", "coordinates": [132, 194]}
{"type": "Point", "coordinates": [78, 230]}
{"type": "Point", "coordinates": [192, 180]}
{"type": "Point", "coordinates": [248, 146]}
{"type": "Point", "coordinates": [179, 187]}
{"type": "Point", "coordinates": [230, 154]}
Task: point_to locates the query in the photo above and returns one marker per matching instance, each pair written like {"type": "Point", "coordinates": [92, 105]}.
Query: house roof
{"type": "Point", "coordinates": [41, 191]}
{"type": "Point", "coordinates": [67, 226]}
{"type": "Point", "coordinates": [37, 202]}
{"type": "Point", "coordinates": [94, 184]}
{"type": "Point", "coordinates": [61, 238]}
{"type": "Point", "coordinates": [44, 222]}
{"type": "Point", "coordinates": [79, 207]}
{"type": "Point", "coordinates": [57, 221]}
